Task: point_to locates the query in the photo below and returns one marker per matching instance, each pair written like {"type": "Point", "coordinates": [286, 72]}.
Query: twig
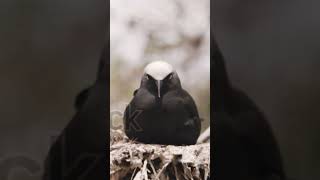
{"type": "Point", "coordinates": [153, 169]}
{"type": "Point", "coordinates": [162, 169]}
{"type": "Point", "coordinates": [134, 171]}
{"type": "Point", "coordinates": [176, 172]}
{"type": "Point", "coordinates": [145, 173]}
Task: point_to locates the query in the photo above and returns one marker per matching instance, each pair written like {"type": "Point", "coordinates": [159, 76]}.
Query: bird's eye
{"type": "Point", "coordinates": [171, 76]}
{"type": "Point", "coordinates": [148, 77]}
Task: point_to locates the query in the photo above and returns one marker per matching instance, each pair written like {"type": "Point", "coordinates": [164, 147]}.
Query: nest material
{"type": "Point", "coordinates": [134, 161]}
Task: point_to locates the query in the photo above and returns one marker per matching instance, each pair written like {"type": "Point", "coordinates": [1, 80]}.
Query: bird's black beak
{"type": "Point", "coordinates": [159, 84]}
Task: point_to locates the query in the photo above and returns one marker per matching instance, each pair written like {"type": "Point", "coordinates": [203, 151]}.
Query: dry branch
{"type": "Point", "coordinates": [135, 161]}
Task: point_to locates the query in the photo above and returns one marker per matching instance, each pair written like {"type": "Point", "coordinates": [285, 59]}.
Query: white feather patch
{"type": "Point", "coordinates": [158, 69]}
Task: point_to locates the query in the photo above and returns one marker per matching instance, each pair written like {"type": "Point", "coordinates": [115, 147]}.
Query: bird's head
{"type": "Point", "coordinates": [159, 77]}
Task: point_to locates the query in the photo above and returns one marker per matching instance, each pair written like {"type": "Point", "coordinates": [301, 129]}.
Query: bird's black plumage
{"type": "Point", "coordinates": [171, 118]}
{"type": "Point", "coordinates": [244, 145]}
{"type": "Point", "coordinates": [79, 152]}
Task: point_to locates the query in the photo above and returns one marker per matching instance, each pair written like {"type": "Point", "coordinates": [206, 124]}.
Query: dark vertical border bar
{"type": "Point", "coordinates": [80, 150]}
{"type": "Point", "coordinates": [107, 160]}
{"type": "Point", "coordinates": [212, 147]}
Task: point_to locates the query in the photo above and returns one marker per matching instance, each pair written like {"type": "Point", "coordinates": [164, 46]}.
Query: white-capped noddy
{"type": "Point", "coordinates": [161, 111]}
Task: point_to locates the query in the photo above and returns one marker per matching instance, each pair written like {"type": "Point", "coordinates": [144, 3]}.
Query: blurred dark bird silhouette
{"type": "Point", "coordinates": [161, 111]}
{"type": "Point", "coordinates": [79, 152]}
{"type": "Point", "coordinates": [244, 145]}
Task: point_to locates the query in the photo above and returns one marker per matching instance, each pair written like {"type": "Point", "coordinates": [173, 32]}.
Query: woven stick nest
{"type": "Point", "coordinates": [135, 161]}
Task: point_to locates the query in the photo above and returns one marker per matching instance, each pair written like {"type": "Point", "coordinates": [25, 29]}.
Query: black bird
{"type": "Point", "coordinates": [161, 112]}
{"type": "Point", "coordinates": [79, 152]}
{"type": "Point", "coordinates": [244, 145]}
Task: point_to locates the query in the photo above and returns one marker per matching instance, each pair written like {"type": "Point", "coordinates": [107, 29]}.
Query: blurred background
{"type": "Point", "coordinates": [49, 52]}
{"type": "Point", "coordinates": [272, 52]}
{"type": "Point", "coordinates": [176, 31]}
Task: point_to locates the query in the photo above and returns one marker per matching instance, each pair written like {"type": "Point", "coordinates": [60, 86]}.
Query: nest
{"type": "Point", "coordinates": [135, 161]}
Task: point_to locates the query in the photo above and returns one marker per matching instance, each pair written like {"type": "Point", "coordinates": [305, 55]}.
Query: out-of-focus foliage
{"type": "Point", "coordinates": [176, 31]}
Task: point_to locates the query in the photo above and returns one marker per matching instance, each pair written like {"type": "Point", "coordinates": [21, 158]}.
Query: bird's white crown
{"type": "Point", "coordinates": [158, 69]}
